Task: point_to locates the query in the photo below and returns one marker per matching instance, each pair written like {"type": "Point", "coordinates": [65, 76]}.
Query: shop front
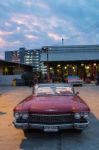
{"type": "Point", "coordinates": [85, 70]}
{"type": "Point", "coordinates": [82, 61]}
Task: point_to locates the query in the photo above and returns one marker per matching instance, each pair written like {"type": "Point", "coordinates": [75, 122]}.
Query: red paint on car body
{"type": "Point", "coordinates": [52, 104]}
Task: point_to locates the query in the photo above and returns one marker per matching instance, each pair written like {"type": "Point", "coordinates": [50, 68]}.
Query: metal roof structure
{"type": "Point", "coordinates": [4, 62]}
{"type": "Point", "coordinates": [70, 53]}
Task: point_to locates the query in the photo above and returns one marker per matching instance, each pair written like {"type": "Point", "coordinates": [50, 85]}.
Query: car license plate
{"type": "Point", "coordinates": [50, 128]}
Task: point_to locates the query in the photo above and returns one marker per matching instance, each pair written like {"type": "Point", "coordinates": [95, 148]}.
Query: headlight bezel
{"type": "Point", "coordinates": [17, 115]}
{"type": "Point", "coordinates": [85, 114]}
{"type": "Point", "coordinates": [23, 115]}
{"type": "Point", "coordinates": [79, 115]}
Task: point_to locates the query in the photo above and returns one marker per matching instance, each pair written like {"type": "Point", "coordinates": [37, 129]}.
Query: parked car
{"type": "Point", "coordinates": [74, 80]}
{"type": "Point", "coordinates": [52, 107]}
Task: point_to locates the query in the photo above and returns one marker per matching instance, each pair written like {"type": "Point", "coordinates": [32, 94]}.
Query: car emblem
{"type": "Point", "coordinates": [52, 109]}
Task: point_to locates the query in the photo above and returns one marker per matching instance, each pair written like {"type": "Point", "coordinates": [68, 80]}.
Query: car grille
{"type": "Point", "coordinates": [51, 119]}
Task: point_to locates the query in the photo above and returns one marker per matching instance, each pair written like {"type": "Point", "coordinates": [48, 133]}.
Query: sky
{"type": "Point", "coordinates": [36, 23]}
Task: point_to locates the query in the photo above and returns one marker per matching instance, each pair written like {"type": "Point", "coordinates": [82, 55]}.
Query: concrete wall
{"type": "Point", "coordinates": [7, 79]}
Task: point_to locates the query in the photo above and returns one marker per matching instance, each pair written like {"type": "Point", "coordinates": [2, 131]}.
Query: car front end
{"type": "Point", "coordinates": [51, 122]}
{"type": "Point", "coordinates": [76, 83]}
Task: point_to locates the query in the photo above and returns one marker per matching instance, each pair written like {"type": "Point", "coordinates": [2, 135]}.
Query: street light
{"type": "Point", "coordinates": [62, 41]}
{"type": "Point", "coordinates": [46, 50]}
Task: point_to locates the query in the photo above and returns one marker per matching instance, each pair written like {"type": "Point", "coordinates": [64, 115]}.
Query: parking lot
{"type": "Point", "coordinates": [14, 139]}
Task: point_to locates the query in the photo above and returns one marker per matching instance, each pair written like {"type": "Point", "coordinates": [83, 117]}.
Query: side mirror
{"type": "Point", "coordinates": [76, 93]}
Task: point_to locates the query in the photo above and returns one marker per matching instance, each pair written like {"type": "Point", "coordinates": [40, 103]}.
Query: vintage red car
{"type": "Point", "coordinates": [52, 107]}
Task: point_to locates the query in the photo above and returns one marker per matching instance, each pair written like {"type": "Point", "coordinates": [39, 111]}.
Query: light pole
{"type": "Point", "coordinates": [46, 50]}
{"type": "Point", "coordinates": [62, 41]}
{"type": "Point", "coordinates": [48, 75]}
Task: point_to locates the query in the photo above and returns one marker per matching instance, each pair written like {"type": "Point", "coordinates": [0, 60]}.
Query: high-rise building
{"type": "Point", "coordinates": [30, 57]}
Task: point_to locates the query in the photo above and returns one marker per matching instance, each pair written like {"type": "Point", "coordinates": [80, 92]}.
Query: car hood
{"type": "Point", "coordinates": [54, 104]}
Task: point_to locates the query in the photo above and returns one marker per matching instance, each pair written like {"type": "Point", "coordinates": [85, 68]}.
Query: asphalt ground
{"type": "Point", "coordinates": [14, 139]}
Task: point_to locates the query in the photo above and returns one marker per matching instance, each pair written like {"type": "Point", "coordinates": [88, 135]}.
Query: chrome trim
{"type": "Point", "coordinates": [52, 114]}
{"type": "Point", "coordinates": [77, 83]}
{"type": "Point", "coordinates": [20, 125]}
{"type": "Point", "coordinates": [41, 126]}
{"type": "Point", "coordinates": [81, 125]}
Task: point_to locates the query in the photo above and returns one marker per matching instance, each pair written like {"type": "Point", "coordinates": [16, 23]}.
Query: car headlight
{"type": "Point", "coordinates": [17, 115]}
{"type": "Point", "coordinates": [85, 114]}
{"type": "Point", "coordinates": [77, 116]}
{"type": "Point", "coordinates": [25, 115]}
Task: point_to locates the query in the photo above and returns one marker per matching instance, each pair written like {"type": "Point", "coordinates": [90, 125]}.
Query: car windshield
{"type": "Point", "coordinates": [53, 90]}
{"type": "Point", "coordinates": [73, 77]}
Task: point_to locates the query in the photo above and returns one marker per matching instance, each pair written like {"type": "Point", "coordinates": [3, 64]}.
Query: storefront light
{"type": "Point", "coordinates": [87, 67]}
{"type": "Point", "coordinates": [94, 64]}
{"type": "Point", "coordinates": [58, 65]}
{"type": "Point", "coordinates": [65, 67]}
{"type": "Point", "coordinates": [51, 68]}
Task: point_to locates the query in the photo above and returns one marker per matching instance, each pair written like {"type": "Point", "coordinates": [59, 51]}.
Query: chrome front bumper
{"type": "Point", "coordinates": [77, 83]}
{"type": "Point", "coordinates": [79, 126]}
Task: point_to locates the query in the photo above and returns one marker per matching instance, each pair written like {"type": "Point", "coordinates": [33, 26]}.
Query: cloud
{"type": "Point", "coordinates": [8, 44]}
{"type": "Point", "coordinates": [18, 28]}
{"type": "Point", "coordinates": [19, 19]}
{"type": "Point", "coordinates": [36, 3]}
{"type": "Point", "coordinates": [13, 43]}
{"type": "Point", "coordinates": [2, 42]}
{"type": "Point", "coordinates": [4, 33]}
{"type": "Point", "coordinates": [1, 55]}
{"type": "Point", "coordinates": [54, 36]}
{"type": "Point", "coordinates": [7, 24]}
{"type": "Point", "coordinates": [31, 37]}
{"type": "Point", "coordinates": [47, 22]}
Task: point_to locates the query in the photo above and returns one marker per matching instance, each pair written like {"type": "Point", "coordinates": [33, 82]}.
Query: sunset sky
{"type": "Point", "coordinates": [36, 23]}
